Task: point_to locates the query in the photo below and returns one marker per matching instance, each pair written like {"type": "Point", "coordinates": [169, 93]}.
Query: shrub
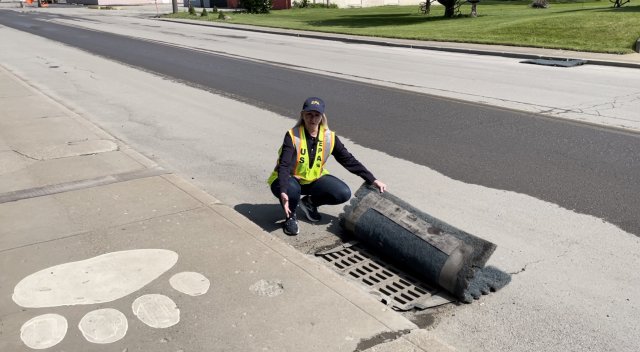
{"type": "Point", "coordinates": [540, 4]}
{"type": "Point", "coordinates": [214, 9]}
{"type": "Point", "coordinates": [204, 13]}
{"type": "Point", "coordinates": [256, 6]}
{"type": "Point", "coordinates": [192, 11]}
{"type": "Point", "coordinates": [301, 4]}
{"type": "Point", "coordinates": [306, 4]}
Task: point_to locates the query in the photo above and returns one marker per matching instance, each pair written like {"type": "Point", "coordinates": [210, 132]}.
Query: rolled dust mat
{"type": "Point", "coordinates": [431, 249]}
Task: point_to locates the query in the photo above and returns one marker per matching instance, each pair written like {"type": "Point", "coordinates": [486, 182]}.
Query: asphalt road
{"type": "Point", "coordinates": [588, 169]}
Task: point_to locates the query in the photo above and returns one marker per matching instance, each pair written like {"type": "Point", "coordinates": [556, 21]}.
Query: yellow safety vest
{"type": "Point", "coordinates": [301, 170]}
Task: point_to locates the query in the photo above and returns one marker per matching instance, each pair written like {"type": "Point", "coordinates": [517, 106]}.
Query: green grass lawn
{"type": "Point", "coordinates": [585, 26]}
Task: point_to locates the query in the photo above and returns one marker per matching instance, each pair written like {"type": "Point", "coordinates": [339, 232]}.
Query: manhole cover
{"type": "Point", "coordinates": [555, 62]}
{"type": "Point", "coordinates": [390, 285]}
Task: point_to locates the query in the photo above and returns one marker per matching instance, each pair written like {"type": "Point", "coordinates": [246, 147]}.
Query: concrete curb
{"type": "Point", "coordinates": [69, 111]}
{"type": "Point", "coordinates": [313, 267]}
{"type": "Point", "coordinates": [317, 270]}
{"type": "Point", "coordinates": [405, 44]}
{"type": "Point", "coordinates": [419, 339]}
{"type": "Point", "coordinates": [133, 154]}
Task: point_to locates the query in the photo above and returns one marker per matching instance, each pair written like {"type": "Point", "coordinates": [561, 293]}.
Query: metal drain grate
{"type": "Point", "coordinates": [555, 62]}
{"type": "Point", "coordinates": [391, 286]}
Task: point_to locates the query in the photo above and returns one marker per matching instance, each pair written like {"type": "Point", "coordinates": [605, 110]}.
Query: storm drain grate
{"type": "Point", "coordinates": [555, 62]}
{"type": "Point", "coordinates": [390, 285]}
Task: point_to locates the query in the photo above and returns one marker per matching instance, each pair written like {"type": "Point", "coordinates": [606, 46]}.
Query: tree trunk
{"type": "Point", "coordinates": [449, 11]}
{"type": "Point", "coordinates": [449, 7]}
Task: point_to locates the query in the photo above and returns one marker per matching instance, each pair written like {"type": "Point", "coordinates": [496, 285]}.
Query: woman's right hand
{"type": "Point", "coordinates": [380, 185]}
{"type": "Point", "coordinates": [284, 199]}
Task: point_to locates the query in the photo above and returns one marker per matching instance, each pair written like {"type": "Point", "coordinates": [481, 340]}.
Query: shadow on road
{"type": "Point", "coordinates": [267, 216]}
{"type": "Point", "coordinates": [270, 216]}
{"type": "Point", "coordinates": [314, 236]}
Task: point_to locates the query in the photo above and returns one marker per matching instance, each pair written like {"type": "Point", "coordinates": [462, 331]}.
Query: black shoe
{"type": "Point", "coordinates": [291, 226]}
{"type": "Point", "coordinates": [309, 209]}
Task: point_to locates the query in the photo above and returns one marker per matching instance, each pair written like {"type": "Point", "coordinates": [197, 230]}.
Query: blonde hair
{"type": "Point", "coordinates": [300, 122]}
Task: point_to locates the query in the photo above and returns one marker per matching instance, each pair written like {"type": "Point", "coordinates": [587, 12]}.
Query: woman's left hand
{"type": "Point", "coordinates": [380, 185]}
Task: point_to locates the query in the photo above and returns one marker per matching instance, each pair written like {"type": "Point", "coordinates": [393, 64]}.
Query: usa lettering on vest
{"type": "Point", "coordinates": [307, 173]}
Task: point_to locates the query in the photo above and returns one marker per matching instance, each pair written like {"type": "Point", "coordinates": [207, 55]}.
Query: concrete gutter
{"type": "Point", "coordinates": [626, 60]}
{"type": "Point", "coordinates": [264, 293]}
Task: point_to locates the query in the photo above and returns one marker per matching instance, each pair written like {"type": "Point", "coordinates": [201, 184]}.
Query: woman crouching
{"type": "Point", "coordinates": [300, 169]}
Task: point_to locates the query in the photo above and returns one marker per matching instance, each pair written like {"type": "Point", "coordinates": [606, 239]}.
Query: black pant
{"type": "Point", "coordinates": [327, 190]}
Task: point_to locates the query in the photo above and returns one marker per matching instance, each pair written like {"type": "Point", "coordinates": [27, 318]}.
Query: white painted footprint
{"type": "Point", "coordinates": [103, 279]}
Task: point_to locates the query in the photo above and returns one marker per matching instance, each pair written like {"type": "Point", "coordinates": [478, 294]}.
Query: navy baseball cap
{"type": "Point", "coordinates": [313, 104]}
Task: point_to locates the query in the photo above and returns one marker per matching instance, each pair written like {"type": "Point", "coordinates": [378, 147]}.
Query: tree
{"type": "Point", "coordinates": [618, 3]}
{"type": "Point", "coordinates": [449, 7]}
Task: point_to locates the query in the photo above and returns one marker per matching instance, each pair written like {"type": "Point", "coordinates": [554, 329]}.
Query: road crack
{"type": "Point", "coordinates": [24, 155]}
{"type": "Point", "coordinates": [524, 268]}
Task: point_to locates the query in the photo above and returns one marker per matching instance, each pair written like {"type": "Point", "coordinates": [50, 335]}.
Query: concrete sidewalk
{"type": "Point", "coordinates": [627, 60]}
{"type": "Point", "coordinates": [71, 193]}
{"type": "Point", "coordinates": [631, 60]}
